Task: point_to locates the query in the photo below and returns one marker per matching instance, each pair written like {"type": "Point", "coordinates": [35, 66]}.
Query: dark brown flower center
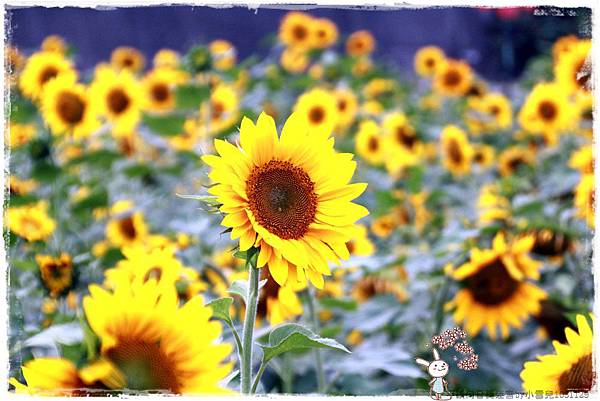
{"type": "Point", "coordinates": [118, 101]}
{"type": "Point", "coordinates": [128, 227]}
{"type": "Point", "coordinates": [299, 32]}
{"type": "Point", "coordinates": [452, 78]}
{"type": "Point", "coordinates": [548, 243]}
{"type": "Point", "coordinates": [405, 136]}
{"type": "Point", "coordinates": [351, 246]}
{"type": "Point", "coordinates": [494, 110]}
{"type": "Point", "coordinates": [160, 92]}
{"type": "Point", "coordinates": [479, 157]}
{"type": "Point", "coordinates": [455, 154]}
{"type": "Point", "coordinates": [47, 74]}
{"type": "Point", "coordinates": [217, 110]}
{"type": "Point", "coordinates": [547, 110]}
{"type": "Point", "coordinates": [154, 273]}
{"type": "Point", "coordinates": [342, 104]}
{"type": "Point", "coordinates": [70, 107]}
{"type": "Point", "coordinates": [316, 115]}
{"type": "Point", "coordinates": [430, 63]}
{"type": "Point", "coordinates": [579, 378]}
{"type": "Point", "coordinates": [145, 365]}
{"type": "Point", "coordinates": [282, 199]}
{"type": "Point", "coordinates": [373, 144]}
{"type": "Point", "coordinates": [492, 285]}
{"type": "Point", "coordinates": [515, 163]}
{"type": "Point", "coordinates": [128, 61]}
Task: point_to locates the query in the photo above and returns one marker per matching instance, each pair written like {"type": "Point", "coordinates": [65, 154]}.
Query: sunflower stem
{"type": "Point", "coordinates": [287, 374]}
{"type": "Point", "coordinates": [321, 388]}
{"type": "Point", "coordinates": [261, 370]}
{"type": "Point", "coordinates": [249, 320]}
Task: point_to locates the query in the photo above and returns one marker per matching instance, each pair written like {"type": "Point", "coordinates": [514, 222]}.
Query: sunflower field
{"type": "Point", "coordinates": [310, 221]}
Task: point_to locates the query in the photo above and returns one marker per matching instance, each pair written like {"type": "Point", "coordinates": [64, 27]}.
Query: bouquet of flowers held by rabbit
{"type": "Point", "coordinates": [437, 369]}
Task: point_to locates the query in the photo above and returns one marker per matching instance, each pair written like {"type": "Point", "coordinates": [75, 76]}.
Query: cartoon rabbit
{"type": "Point", "coordinates": [437, 369]}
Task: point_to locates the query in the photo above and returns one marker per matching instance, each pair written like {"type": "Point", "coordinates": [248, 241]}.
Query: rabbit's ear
{"type": "Point", "coordinates": [422, 361]}
{"type": "Point", "coordinates": [436, 354]}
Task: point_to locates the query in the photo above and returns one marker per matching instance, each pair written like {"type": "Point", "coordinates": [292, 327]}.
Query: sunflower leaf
{"type": "Point", "coordinates": [291, 337]}
{"type": "Point", "coordinates": [167, 125]}
{"type": "Point", "coordinates": [190, 96]}
{"type": "Point", "coordinates": [221, 308]}
{"type": "Point", "coordinates": [239, 287]}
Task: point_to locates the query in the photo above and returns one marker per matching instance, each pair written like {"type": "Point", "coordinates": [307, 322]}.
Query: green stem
{"type": "Point", "coordinates": [249, 319]}
{"type": "Point", "coordinates": [287, 374]}
{"type": "Point", "coordinates": [321, 388]}
{"type": "Point", "coordinates": [261, 370]}
{"type": "Point", "coordinates": [238, 341]}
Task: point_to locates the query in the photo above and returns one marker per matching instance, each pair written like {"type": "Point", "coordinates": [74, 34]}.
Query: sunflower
{"type": "Point", "coordinates": [400, 131]}
{"type": "Point", "coordinates": [31, 221]}
{"type": "Point", "coordinates": [583, 160]}
{"type": "Point", "coordinates": [158, 85]}
{"type": "Point", "coordinates": [370, 142]}
{"type": "Point", "coordinates": [513, 158]}
{"type": "Point", "coordinates": [66, 108]}
{"type": "Point", "coordinates": [288, 196]}
{"type": "Point", "coordinates": [569, 67]}
{"type": "Point", "coordinates": [370, 286]}
{"type": "Point", "coordinates": [119, 97]}
{"type": "Point", "coordinates": [54, 43]}
{"type": "Point", "coordinates": [318, 107]}
{"type": "Point", "coordinates": [166, 58]}
{"type": "Point", "coordinates": [550, 242]}
{"type": "Point", "coordinates": [223, 110]}
{"type": "Point", "coordinates": [354, 338]}
{"type": "Point", "coordinates": [127, 227]}
{"type": "Point", "coordinates": [18, 186]}
{"type": "Point", "coordinates": [384, 225]}
{"type": "Point", "coordinates": [495, 289]}
{"type": "Point", "coordinates": [56, 273]}
{"type": "Point", "coordinates": [493, 109]}
{"type": "Point", "coordinates": [223, 54]}
{"type": "Point", "coordinates": [154, 343]}
{"type": "Point", "coordinates": [546, 111]}
{"type": "Point", "coordinates": [457, 152]}
{"type": "Point", "coordinates": [294, 60]}
{"type": "Point", "coordinates": [483, 155]}
{"type": "Point", "coordinates": [362, 66]}
{"type": "Point", "coordinates": [564, 45]}
{"type": "Point", "coordinates": [491, 205]}
{"type": "Point", "coordinates": [360, 43]}
{"type": "Point", "coordinates": [585, 199]}
{"type": "Point", "coordinates": [347, 107]}
{"type": "Point", "coordinates": [127, 58]}
{"type": "Point", "coordinates": [190, 136]}
{"type": "Point", "coordinates": [377, 87]}
{"type": "Point", "coordinates": [325, 33]}
{"type": "Point", "coordinates": [569, 369]}
{"type": "Point", "coordinates": [41, 68]}
{"type": "Point", "coordinates": [276, 303]}
{"type": "Point", "coordinates": [453, 78]}
{"type": "Point", "coordinates": [361, 245]}
{"type": "Point", "coordinates": [296, 30]}
{"type": "Point", "coordinates": [13, 64]}
{"type": "Point", "coordinates": [428, 59]}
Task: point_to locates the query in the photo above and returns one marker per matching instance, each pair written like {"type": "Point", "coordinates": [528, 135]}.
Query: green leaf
{"type": "Point", "coordinates": [414, 179]}
{"type": "Point", "coordinates": [291, 337]}
{"type": "Point", "coordinates": [240, 288]}
{"type": "Point", "coordinates": [111, 257]}
{"type": "Point", "coordinates": [167, 125]}
{"type": "Point", "coordinates": [347, 304]}
{"type": "Point", "coordinates": [191, 96]}
{"type": "Point", "coordinates": [22, 110]}
{"type": "Point", "coordinates": [24, 264]}
{"type": "Point", "coordinates": [45, 172]}
{"type": "Point", "coordinates": [137, 170]}
{"type": "Point", "coordinates": [221, 308]}
{"type": "Point", "coordinates": [102, 158]}
{"type": "Point", "coordinates": [20, 200]}
{"type": "Point", "coordinates": [98, 198]}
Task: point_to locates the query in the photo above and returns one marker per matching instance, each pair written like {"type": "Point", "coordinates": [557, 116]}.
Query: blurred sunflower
{"type": "Point", "coordinates": [347, 107]}
{"type": "Point", "coordinates": [154, 343]}
{"type": "Point", "coordinates": [294, 60]}
{"type": "Point", "coordinates": [546, 111]}
{"type": "Point", "coordinates": [127, 58]}
{"type": "Point", "coordinates": [384, 225]}
{"type": "Point", "coordinates": [18, 186]}
{"type": "Point", "coordinates": [569, 67]}
{"type": "Point", "coordinates": [453, 78]}
{"type": "Point", "coordinates": [400, 131]}
{"type": "Point", "coordinates": [288, 196]}
{"type": "Point", "coordinates": [483, 155]}
{"type": "Point", "coordinates": [362, 67]}
{"type": "Point", "coordinates": [223, 110]}
{"type": "Point", "coordinates": [56, 273]}
{"type": "Point", "coordinates": [457, 152]}
{"type": "Point", "coordinates": [495, 291]}
{"type": "Point", "coordinates": [563, 45]}
{"type": "Point", "coordinates": [569, 369]}
{"type": "Point", "coordinates": [223, 54]}
{"type": "Point", "coordinates": [491, 205]}
{"type": "Point", "coordinates": [428, 59]}
{"type": "Point", "coordinates": [585, 199]}
{"type": "Point", "coordinates": [583, 160]}
{"type": "Point", "coordinates": [126, 227]}
{"type": "Point", "coordinates": [277, 304]}
{"type": "Point", "coordinates": [190, 136]}
{"type": "Point", "coordinates": [20, 134]}
{"type": "Point", "coordinates": [14, 61]}
{"type": "Point", "coordinates": [295, 30]}
{"type": "Point", "coordinates": [360, 43]}
{"type": "Point", "coordinates": [318, 107]}
{"type": "Point", "coordinates": [41, 68]}
{"type": "Point", "coordinates": [119, 97]}
{"type": "Point", "coordinates": [166, 58]}
{"type": "Point", "coordinates": [513, 158]}
{"type": "Point", "coordinates": [370, 142]}
{"type": "Point", "coordinates": [31, 221]}
{"type": "Point", "coordinates": [54, 43]}
{"type": "Point", "coordinates": [67, 109]}
{"type": "Point", "coordinates": [158, 85]}
{"type": "Point", "coordinates": [325, 33]}
{"type": "Point", "coordinates": [494, 110]}
{"type": "Point", "coordinates": [361, 245]}
{"type": "Point", "coordinates": [549, 242]}
{"type": "Point", "coordinates": [370, 286]}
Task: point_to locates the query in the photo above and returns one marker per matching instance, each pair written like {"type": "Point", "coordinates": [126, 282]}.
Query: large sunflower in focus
{"type": "Point", "coordinates": [453, 78]}
{"type": "Point", "coordinates": [66, 108]}
{"type": "Point", "coordinates": [570, 368]}
{"type": "Point", "coordinates": [154, 343]}
{"type": "Point", "coordinates": [568, 69]}
{"type": "Point", "coordinates": [41, 68]}
{"type": "Point", "coordinates": [289, 196]}
{"type": "Point", "coordinates": [319, 109]}
{"type": "Point", "coordinates": [119, 97]}
{"type": "Point", "coordinates": [495, 291]}
{"type": "Point", "coordinates": [457, 152]}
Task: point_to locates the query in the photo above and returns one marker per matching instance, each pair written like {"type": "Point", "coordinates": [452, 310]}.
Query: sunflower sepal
{"type": "Point", "coordinates": [210, 202]}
